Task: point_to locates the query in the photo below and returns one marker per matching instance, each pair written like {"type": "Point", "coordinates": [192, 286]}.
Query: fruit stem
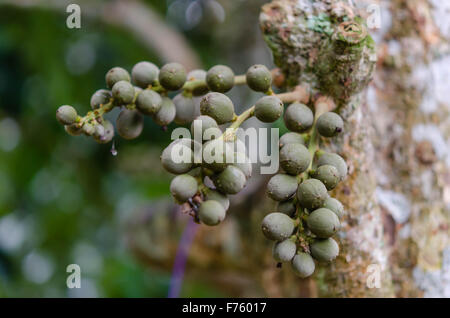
{"type": "Point", "coordinates": [299, 94]}
{"type": "Point", "coordinates": [104, 108]}
{"type": "Point", "coordinates": [240, 80]}
{"type": "Point", "coordinates": [231, 131]}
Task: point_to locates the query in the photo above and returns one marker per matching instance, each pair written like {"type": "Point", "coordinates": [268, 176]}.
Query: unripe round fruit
{"type": "Point", "coordinates": [281, 187]}
{"type": "Point", "coordinates": [329, 124]}
{"type": "Point", "coordinates": [185, 109]}
{"type": "Point", "coordinates": [198, 75]}
{"type": "Point", "coordinates": [100, 97]}
{"type": "Point", "coordinates": [177, 158]}
{"type": "Point", "coordinates": [183, 187]}
{"type": "Point", "coordinates": [88, 129]}
{"type": "Point", "coordinates": [243, 162]}
{"type": "Point", "coordinates": [211, 194]}
{"type": "Point", "coordinates": [217, 106]}
{"type": "Point", "coordinates": [284, 251]}
{"type": "Point", "coordinates": [230, 181]}
{"type": "Point", "coordinates": [149, 102]}
{"type": "Point", "coordinates": [286, 207]}
{"type": "Point", "coordinates": [335, 206]}
{"type": "Point", "coordinates": [259, 78]}
{"type": "Point", "coordinates": [108, 133]}
{"type": "Point", "coordinates": [99, 131]}
{"type": "Point", "coordinates": [206, 122]}
{"type": "Point", "coordinates": [311, 194]}
{"type": "Point", "coordinates": [129, 124]}
{"type": "Point", "coordinates": [303, 265]}
{"type": "Point", "coordinates": [298, 117]}
{"type": "Point", "coordinates": [277, 226]}
{"type": "Point", "coordinates": [291, 138]}
{"type": "Point", "coordinates": [172, 76]}
{"type": "Point", "coordinates": [323, 222]}
{"type": "Point", "coordinates": [123, 92]}
{"type": "Point", "coordinates": [66, 115]}
{"type": "Point", "coordinates": [214, 155]}
{"type": "Point", "coordinates": [329, 175]}
{"type": "Point", "coordinates": [73, 130]}
{"type": "Point", "coordinates": [325, 250]}
{"type": "Point", "coordinates": [166, 113]}
{"type": "Point", "coordinates": [144, 74]}
{"type": "Point", "coordinates": [268, 109]}
{"type": "Point", "coordinates": [220, 78]}
{"type": "Point", "coordinates": [334, 160]}
{"type": "Point", "coordinates": [294, 158]}
{"type": "Point", "coordinates": [211, 212]}
{"type": "Point", "coordinates": [115, 75]}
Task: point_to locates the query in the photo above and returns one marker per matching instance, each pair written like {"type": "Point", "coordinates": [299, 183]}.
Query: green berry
{"type": "Point", "coordinates": [166, 114]}
{"type": "Point", "coordinates": [329, 175]}
{"type": "Point", "coordinates": [286, 207]}
{"type": "Point", "coordinates": [149, 102]}
{"type": "Point", "coordinates": [203, 123]}
{"type": "Point", "coordinates": [100, 97]}
{"type": "Point", "coordinates": [284, 251]}
{"type": "Point", "coordinates": [123, 93]}
{"type": "Point", "coordinates": [329, 124]}
{"type": "Point", "coordinates": [277, 226]}
{"type": "Point", "coordinates": [268, 109]}
{"type": "Point", "coordinates": [144, 74]}
{"type": "Point", "coordinates": [334, 160]}
{"type": "Point", "coordinates": [294, 158]}
{"type": "Point", "coordinates": [211, 194]}
{"type": "Point", "coordinates": [281, 187]}
{"type": "Point", "coordinates": [115, 75]}
{"type": "Point", "coordinates": [88, 129]}
{"type": "Point", "coordinates": [303, 265]}
{"type": "Point", "coordinates": [172, 76]}
{"type": "Point", "coordinates": [198, 75]}
{"type": "Point", "coordinates": [183, 187]}
{"type": "Point", "coordinates": [291, 138]}
{"type": "Point", "coordinates": [298, 117]}
{"type": "Point", "coordinates": [129, 124]}
{"type": "Point", "coordinates": [230, 181]}
{"type": "Point", "coordinates": [325, 250]}
{"type": "Point", "coordinates": [185, 109]}
{"type": "Point", "coordinates": [311, 194]}
{"type": "Point", "coordinates": [335, 206]}
{"type": "Point", "coordinates": [211, 212]}
{"type": "Point", "coordinates": [215, 153]}
{"type": "Point", "coordinates": [323, 222]}
{"type": "Point", "coordinates": [108, 133]}
{"type": "Point", "coordinates": [259, 78]}
{"type": "Point", "coordinates": [73, 130]}
{"type": "Point", "coordinates": [177, 158]}
{"type": "Point", "coordinates": [220, 78]}
{"type": "Point", "coordinates": [66, 115]}
{"type": "Point", "coordinates": [243, 162]}
{"type": "Point", "coordinates": [217, 106]}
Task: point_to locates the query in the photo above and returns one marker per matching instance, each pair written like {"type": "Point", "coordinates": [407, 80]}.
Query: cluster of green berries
{"type": "Point", "coordinates": [306, 216]}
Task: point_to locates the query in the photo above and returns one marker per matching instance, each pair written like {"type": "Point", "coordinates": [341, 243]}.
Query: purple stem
{"type": "Point", "coordinates": [180, 259]}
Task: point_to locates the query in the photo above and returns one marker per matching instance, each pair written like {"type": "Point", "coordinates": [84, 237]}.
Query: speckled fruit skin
{"type": "Point", "coordinates": [206, 122]}
{"type": "Point", "coordinates": [298, 117]}
{"type": "Point", "coordinates": [303, 265]}
{"type": "Point", "coordinates": [100, 97]}
{"type": "Point", "coordinates": [281, 187]}
{"type": "Point", "coordinates": [329, 175]}
{"type": "Point", "coordinates": [311, 194]}
{"type": "Point", "coordinates": [277, 226]}
{"type": "Point", "coordinates": [177, 167]}
{"type": "Point", "coordinates": [185, 109]}
{"type": "Point", "coordinates": [286, 207]}
{"type": "Point", "coordinates": [183, 187]}
{"type": "Point", "coordinates": [334, 160]}
{"type": "Point", "coordinates": [284, 251]}
{"type": "Point", "coordinates": [335, 206]}
{"type": "Point", "coordinates": [259, 78]}
{"type": "Point", "coordinates": [66, 115]}
{"type": "Point", "coordinates": [220, 78]}
{"type": "Point", "coordinates": [217, 106]}
{"type": "Point", "coordinates": [123, 93]}
{"type": "Point", "coordinates": [268, 109]}
{"type": "Point", "coordinates": [291, 138]}
{"type": "Point", "coordinates": [108, 133]}
{"type": "Point", "coordinates": [115, 75]}
{"type": "Point", "coordinates": [129, 124]}
{"type": "Point", "coordinates": [324, 250]}
{"type": "Point", "coordinates": [148, 102]}
{"type": "Point", "coordinates": [330, 124]}
{"type": "Point", "coordinates": [323, 222]}
{"type": "Point", "coordinates": [223, 199]}
{"type": "Point", "coordinates": [230, 181]}
{"type": "Point", "coordinates": [215, 154]}
{"type": "Point", "coordinates": [211, 212]}
{"type": "Point", "coordinates": [166, 113]}
{"type": "Point", "coordinates": [294, 158]}
{"type": "Point", "coordinates": [144, 74]}
{"type": "Point", "coordinates": [196, 75]}
{"type": "Point", "coordinates": [172, 76]}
